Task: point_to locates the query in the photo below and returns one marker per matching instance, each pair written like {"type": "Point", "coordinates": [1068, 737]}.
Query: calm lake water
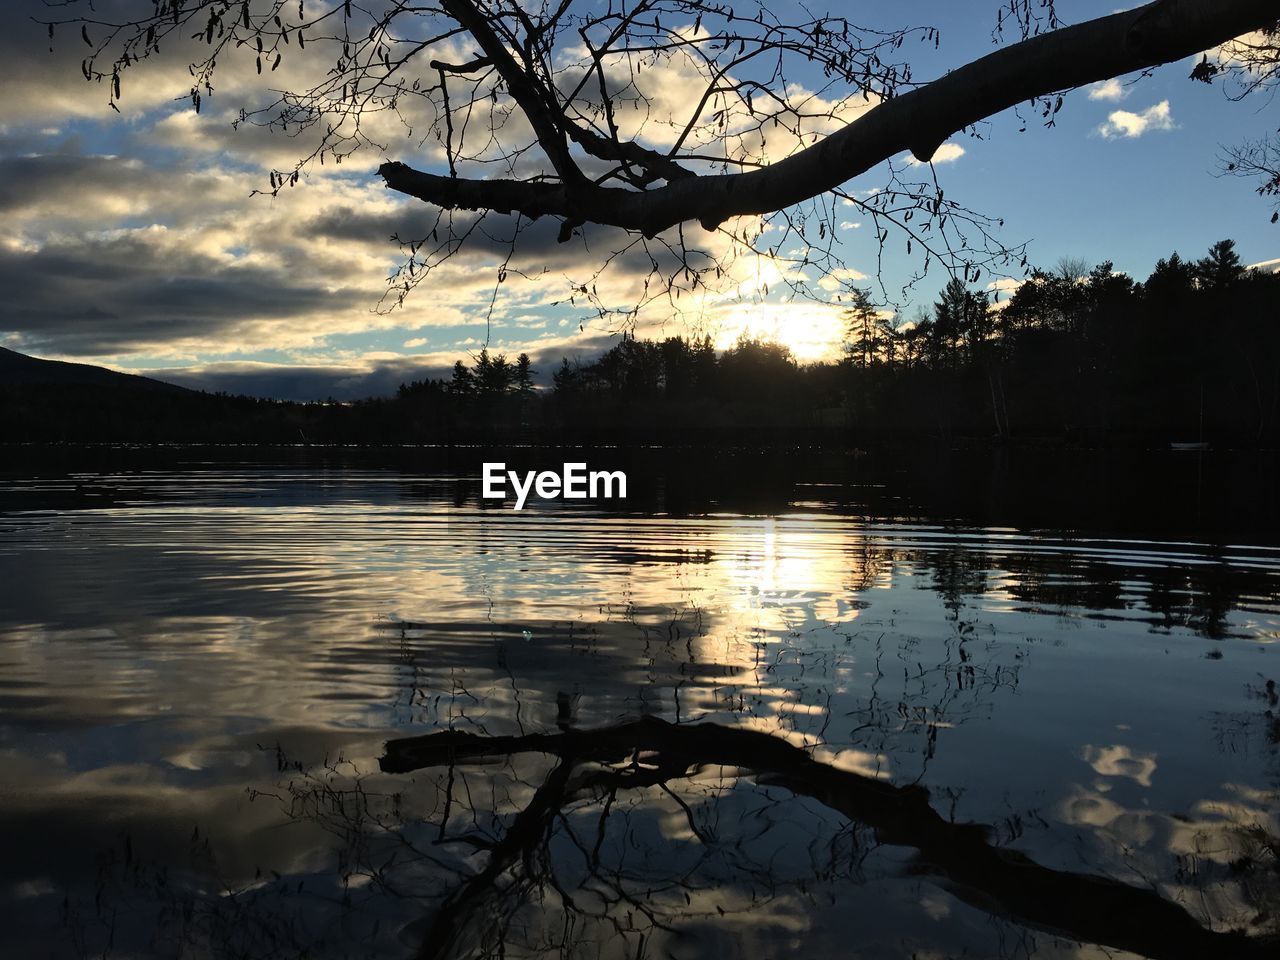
{"type": "Point", "coordinates": [334, 709]}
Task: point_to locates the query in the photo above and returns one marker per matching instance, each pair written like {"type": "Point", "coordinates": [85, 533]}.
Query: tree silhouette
{"type": "Point", "coordinates": [862, 329]}
{"type": "Point", "coordinates": [960, 316]}
{"type": "Point", "coordinates": [522, 378]}
{"type": "Point", "coordinates": [1221, 268]}
{"type": "Point", "coordinates": [1075, 349]}
{"type": "Point", "coordinates": [1172, 279]}
{"type": "Point", "coordinates": [463, 383]}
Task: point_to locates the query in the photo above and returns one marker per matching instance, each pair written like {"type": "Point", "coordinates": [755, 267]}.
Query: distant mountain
{"type": "Point", "coordinates": [48, 401]}
{"type": "Point", "coordinates": [19, 369]}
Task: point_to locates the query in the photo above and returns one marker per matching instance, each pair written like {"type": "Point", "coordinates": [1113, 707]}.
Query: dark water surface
{"type": "Point", "coordinates": [342, 709]}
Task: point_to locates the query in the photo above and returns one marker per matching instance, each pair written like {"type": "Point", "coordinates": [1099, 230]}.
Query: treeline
{"type": "Point", "coordinates": [1078, 354]}
{"type": "Point", "coordinates": [1083, 353]}
{"type": "Point", "coordinates": [639, 390]}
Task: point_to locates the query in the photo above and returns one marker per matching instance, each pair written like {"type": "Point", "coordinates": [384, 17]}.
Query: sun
{"type": "Point", "coordinates": [811, 331]}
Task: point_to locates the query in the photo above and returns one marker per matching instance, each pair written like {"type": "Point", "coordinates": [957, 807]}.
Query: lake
{"type": "Point", "coordinates": [332, 704]}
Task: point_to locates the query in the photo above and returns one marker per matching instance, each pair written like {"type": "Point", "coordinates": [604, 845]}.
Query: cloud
{"type": "Point", "coordinates": [1111, 89]}
{"type": "Point", "coordinates": [162, 254]}
{"type": "Point", "coordinates": [949, 152]}
{"type": "Point", "coordinates": [840, 278]}
{"type": "Point", "coordinates": [1124, 123]}
{"type": "Point", "coordinates": [1005, 284]}
{"type": "Point", "coordinates": [305, 382]}
{"type": "Point", "coordinates": [65, 189]}
{"type": "Point", "coordinates": [140, 291]}
{"type": "Point", "coordinates": [1001, 289]}
{"type": "Point", "coordinates": [46, 87]}
{"type": "Point", "coordinates": [107, 257]}
{"type": "Point", "coordinates": [163, 261]}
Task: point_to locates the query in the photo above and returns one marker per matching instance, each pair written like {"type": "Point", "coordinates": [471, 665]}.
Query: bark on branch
{"type": "Point", "coordinates": [918, 121]}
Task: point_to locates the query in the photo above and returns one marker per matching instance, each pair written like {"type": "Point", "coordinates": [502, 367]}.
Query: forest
{"type": "Point", "coordinates": [1078, 354]}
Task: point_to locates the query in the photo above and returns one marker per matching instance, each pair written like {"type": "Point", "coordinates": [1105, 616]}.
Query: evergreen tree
{"type": "Point", "coordinates": [565, 380]}
{"type": "Point", "coordinates": [523, 379]}
{"type": "Point", "coordinates": [977, 325]}
{"type": "Point", "coordinates": [862, 340]}
{"type": "Point", "coordinates": [1221, 268]}
{"type": "Point", "coordinates": [1171, 280]}
{"type": "Point", "coordinates": [463, 383]}
{"type": "Point", "coordinates": [493, 375]}
{"type": "Point", "coordinates": [950, 321]}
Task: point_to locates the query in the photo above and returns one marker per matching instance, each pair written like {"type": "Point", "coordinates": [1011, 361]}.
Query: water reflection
{"type": "Point", "coordinates": [357, 714]}
{"type": "Point", "coordinates": [581, 806]}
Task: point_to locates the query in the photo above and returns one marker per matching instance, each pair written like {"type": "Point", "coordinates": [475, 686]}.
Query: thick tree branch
{"type": "Point", "coordinates": [919, 121]}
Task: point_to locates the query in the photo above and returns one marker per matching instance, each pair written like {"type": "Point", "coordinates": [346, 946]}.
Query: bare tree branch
{"type": "Point", "coordinates": [919, 120]}
{"type": "Point", "coordinates": [643, 115]}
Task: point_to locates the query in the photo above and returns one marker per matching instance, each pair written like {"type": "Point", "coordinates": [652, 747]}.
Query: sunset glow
{"type": "Point", "coordinates": [811, 331]}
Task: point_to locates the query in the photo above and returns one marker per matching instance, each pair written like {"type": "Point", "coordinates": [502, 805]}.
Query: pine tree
{"type": "Point", "coordinates": [463, 383]}
{"type": "Point", "coordinates": [524, 376]}
{"type": "Point", "coordinates": [1221, 268]}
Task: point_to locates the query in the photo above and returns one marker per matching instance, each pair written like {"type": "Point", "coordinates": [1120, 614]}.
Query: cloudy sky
{"type": "Point", "coordinates": [133, 240]}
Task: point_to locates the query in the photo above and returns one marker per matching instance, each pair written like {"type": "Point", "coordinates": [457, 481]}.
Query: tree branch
{"type": "Point", "coordinates": [919, 120]}
{"type": "Point", "coordinates": [534, 99]}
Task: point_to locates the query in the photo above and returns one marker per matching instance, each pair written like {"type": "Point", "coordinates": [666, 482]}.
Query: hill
{"type": "Point", "coordinates": [50, 401]}
{"type": "Point", "coordinates": [19, 369]}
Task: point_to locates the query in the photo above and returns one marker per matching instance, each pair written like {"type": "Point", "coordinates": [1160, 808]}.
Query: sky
{"type": "Point", "coordinates": [134, 240]}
